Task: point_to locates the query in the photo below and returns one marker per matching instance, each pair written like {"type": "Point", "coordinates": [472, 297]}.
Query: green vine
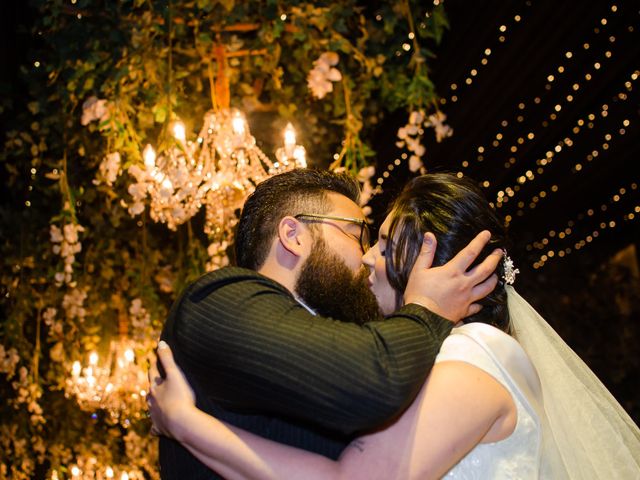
{"type": "Point", "coordinates": [110, 77]}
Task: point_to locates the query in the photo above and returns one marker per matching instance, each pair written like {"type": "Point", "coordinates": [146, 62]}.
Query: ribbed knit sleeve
{"type": "Point", "coordinates": [251, 347]}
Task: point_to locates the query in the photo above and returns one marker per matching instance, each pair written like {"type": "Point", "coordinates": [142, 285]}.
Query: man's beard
{"type": "Point", "coordinates": [331, 289]}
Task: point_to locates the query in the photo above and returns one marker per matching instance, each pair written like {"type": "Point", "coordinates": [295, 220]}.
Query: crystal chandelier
{"type": "Point", "coordinates": [92, 469]}
{"type": "Point", "coordinates": [117, 383]}
{"type": "Point", "coordinates": [218, 169]}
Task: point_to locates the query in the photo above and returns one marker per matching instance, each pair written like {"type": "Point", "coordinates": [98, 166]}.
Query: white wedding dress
{"type": "Point", "coordinates": [499, 355]}
{"type": "Point", "coordinates": [569, 426]}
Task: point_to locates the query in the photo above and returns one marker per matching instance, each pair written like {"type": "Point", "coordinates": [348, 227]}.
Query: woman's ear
{"type": "Point", "coordinates": [294, 236]}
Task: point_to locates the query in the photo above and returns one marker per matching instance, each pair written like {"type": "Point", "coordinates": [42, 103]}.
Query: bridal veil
{"type": "Point", "coordinates": [586, 433]}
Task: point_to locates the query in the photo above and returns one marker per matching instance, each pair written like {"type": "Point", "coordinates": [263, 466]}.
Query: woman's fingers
{"type": "Point", "coordinates": [166, 356]}
{"type": "Point", "coordinates": [154, 380]}
{"type": "Point", "coordinates": [153, 372]}
{"type": "Point", "coordinates": [175, 386]}
{"type": "Point", "coordinates": [482, 272]}
{"type": "Point", "coordinates": [473, 309]}
{"type": "Point", "coordinates": [481, 290]}
{"type": "Point", "coordinates": [465, 257]}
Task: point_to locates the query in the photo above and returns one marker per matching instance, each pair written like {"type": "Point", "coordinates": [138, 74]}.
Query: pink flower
{"type": "Point", "coordinates": [366, 173]}
{"type": "Point", "coordinates": [109, 169]}
{"type": "Point", "coordinates": [320, 77]}
{"type": "Point", "coordinates": [415, 163]}
{"type": "Point", "coordinates": [55, 234]}
{"type": "Point", "coordinates": [437, 122]}
{"type": "Point", "coordinates": [94, 109]}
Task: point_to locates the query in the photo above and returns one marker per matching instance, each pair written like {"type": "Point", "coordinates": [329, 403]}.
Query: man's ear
{"type": "Point", "coordinates": [294, 236]}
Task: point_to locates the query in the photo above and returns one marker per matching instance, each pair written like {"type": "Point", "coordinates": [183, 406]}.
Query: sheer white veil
{"type": "Point", "coordinates": [586, 433]}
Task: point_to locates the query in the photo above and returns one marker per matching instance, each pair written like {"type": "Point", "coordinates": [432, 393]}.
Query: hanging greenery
{"type": "Point", "coordinates": [84, 264]}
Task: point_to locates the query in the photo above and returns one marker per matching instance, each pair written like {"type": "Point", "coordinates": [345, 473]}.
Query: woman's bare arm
{"type": "Point", "coordinates": [233, 453]}
{"type": "Point", "coordinates": [239, 455]}
{"type": "Point", "coordinates": [459, 406]}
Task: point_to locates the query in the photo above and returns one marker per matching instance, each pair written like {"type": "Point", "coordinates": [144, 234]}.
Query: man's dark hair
{"type": "Point", "coordinates": [290, 193]}
{"type": "Point", "coordinates": [455, 211]}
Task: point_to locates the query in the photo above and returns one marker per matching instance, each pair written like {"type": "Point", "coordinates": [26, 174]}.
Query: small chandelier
{"type": "Point", "coordinates": [117, 384]}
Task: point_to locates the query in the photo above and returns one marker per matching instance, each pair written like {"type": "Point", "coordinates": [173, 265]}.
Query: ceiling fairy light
{"type": "Point", "coordinates": [563, 234]}
{"type": "Point", "coordinates": [589, 123]}
{"type": "Point", "coordinates": [484, 60]}
{"type": "Point", "coordinates": [545, 162]}
{"type": "Point", "coordinates": [596, 64]}
{"type": "Point", "coordinates": [595, 61]}
{"type": "Point", "coordinates": [608, 138]}
{"type": "Point", "coordinates": [631, 215]}
{"type": "Point", "coordinates": [558, 234]}
{"type": "Point", "coordinates": [551, 80]}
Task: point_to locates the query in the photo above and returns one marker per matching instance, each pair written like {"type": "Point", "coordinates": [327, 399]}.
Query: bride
{"type": "Point", "coordinates": [492, 407]}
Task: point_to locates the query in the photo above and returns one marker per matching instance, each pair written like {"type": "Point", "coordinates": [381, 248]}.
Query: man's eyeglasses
{"type": "Point", "coordinates": [364, 237]}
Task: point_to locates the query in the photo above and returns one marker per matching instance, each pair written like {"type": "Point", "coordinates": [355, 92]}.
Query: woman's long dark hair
{"type": "Point", "coordinates": [455, 211]}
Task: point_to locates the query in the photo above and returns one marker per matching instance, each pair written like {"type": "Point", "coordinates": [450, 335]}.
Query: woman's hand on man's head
{"type": "Point", "coordinates": [450, 290]}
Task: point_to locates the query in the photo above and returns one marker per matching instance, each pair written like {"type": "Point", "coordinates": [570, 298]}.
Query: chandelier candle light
{"type": "Point", "coordinates": [218, 170]}
{"type": "Point", "coordinates": [117, 385]}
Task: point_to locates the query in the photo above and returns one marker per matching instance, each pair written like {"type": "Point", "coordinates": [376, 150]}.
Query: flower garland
{"type": "Point", "coordinates": [66, 243]}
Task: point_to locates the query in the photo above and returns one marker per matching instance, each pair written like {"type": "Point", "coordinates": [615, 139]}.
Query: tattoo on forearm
{"type": "Point", "coordinates": [358, 444]}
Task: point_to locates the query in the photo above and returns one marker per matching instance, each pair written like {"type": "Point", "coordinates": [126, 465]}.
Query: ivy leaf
{"type": "Point", "coordinates": [437, 23]}
{"type": "Point", "coordinates": [205, 38]}
{"type": "Point", "coordinates": [278, 28]}
{"type": "Point", "coordinates": [227, 4]}
{"type": "Point", "coordinates": [88, 84]}
{"type": "Point", "coordinates": [159, 113]}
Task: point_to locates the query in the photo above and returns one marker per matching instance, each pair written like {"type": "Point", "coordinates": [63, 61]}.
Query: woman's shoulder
{"type": "Point", "coordinates": [480, 337]}
{"type": "Point", "coordinates": [482, 330]}
{"type": "Point", "coordinates": [496, 352]}
{"type": "Point", "coordinates": [487, 340]}
{"type": "Point", "coordinates": [474, 343]}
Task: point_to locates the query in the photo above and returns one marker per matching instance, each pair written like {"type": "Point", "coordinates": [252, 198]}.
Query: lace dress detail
{"type": "Point", "coordinates": [498, 354]}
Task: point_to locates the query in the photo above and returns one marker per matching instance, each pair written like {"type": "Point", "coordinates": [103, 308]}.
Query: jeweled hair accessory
{"type": "Point", "coordinates": [510, 273]}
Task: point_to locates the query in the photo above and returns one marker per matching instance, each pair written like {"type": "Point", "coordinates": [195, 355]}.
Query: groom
{"type": "Point", "coordinates": [290, 345]}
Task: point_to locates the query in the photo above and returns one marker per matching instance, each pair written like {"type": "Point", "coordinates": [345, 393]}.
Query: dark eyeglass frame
{"type": "Point", "coordinates": [365, 235]}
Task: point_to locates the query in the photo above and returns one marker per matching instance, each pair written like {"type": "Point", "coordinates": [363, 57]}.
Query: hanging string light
{"type": "Point", "coordinates": [456, 87]}
{"type": "Point", "coordinates": [551, 81]}
{"type": "Point", "coordinates": [588, 122]}
{"type": "Point", "coordinates": [630, 215]}
{"type": "Point", "coordinates": [580, 165]}
{"type": "Point", "coordinates": [564, 232]}
{"type": "Point", "coordinates": [596, 64]}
